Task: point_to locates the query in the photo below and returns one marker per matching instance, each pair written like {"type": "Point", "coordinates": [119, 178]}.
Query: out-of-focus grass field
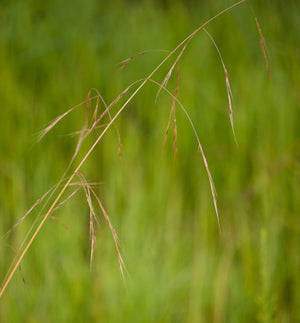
{"type": "Point", "coordinates": [180, 268]}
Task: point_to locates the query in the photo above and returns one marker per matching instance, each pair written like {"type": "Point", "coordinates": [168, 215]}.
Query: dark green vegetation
{"type": "Point", "coordinates": [181, 269]}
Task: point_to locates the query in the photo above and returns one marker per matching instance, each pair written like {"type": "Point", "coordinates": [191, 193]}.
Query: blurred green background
{"type": "Point", "coordinates": [180, 268]}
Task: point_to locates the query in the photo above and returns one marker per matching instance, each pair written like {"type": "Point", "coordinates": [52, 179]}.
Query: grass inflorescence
{"type": "Point", "coordinates": [99, 116]}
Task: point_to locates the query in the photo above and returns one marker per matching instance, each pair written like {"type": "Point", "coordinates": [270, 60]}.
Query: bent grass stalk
{"type": "Point", "coordinates": [228, 88]}
{"type": "Point", "coordinates": [20, 255]}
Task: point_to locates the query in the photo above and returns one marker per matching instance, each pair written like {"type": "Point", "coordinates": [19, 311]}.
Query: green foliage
{"type": "Point", "coordinates": [180, 268]}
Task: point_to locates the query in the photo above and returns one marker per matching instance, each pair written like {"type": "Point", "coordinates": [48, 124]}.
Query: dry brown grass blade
{"type": "Point", "coordinates": [94, 118]}
{"type": "Point", "coordinates": [97, 120]}
{"type": "Point", "coordinates": [166, 79]}
{"type": "Point", "coordinates": [87, 102]}
{"type": "Point", "coordinates": [87, 189]}
{"type": "Point", "coordinates": [38, 201]}
{"type": "Point", "coordinates": [126, 61]}
{"type": "Point", "coordinates": [99, 96]}
{"type": "Point", "coordinates": [87, 130]}
{"type": "Point", "coordinates": [168, 128]}
{"type": "Point", "coordinates": [173, 114]}
{"type": "Point", "coordinates": [93, 240]}
{"type": "Point", "coordinates": [54, 122]}
{"type": "Point", "coordinates": [59, 195]}
{"type": "Point", "coordinates": [35, 205]}
{"type": "Point", "coordinates": [65, 200]}
{"type": "Point", "coordinates": [114, 234]}
{"type": "Point", "coordinates": [88, 105]}
{"type": "Point", "coordinates": [263, 45]}
{"type": "Point", "coordinates": [228, 88]}
{"type": "Point", "coordinates": [212, 187]}
{"type": "Point", "coordinates": [115, 101]}
{"type": "Point", "coordinates": [175, 138]}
